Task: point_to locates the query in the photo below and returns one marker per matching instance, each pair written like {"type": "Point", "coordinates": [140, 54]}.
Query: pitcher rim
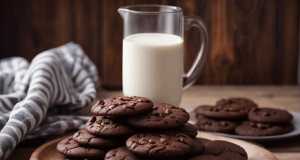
{"type": "Point", "coordinates": [174, 9]}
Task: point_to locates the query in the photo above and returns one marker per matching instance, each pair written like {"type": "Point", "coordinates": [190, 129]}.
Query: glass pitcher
{"type": "Point", "coordinates": [153, 52]}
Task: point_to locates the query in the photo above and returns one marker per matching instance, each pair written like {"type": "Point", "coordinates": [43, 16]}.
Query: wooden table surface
{"type": "Point", "coordinates": [284, 97]}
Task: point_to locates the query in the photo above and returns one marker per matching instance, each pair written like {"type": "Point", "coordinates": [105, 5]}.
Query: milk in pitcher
{"type": "Point", "coordinates": [153, 66]}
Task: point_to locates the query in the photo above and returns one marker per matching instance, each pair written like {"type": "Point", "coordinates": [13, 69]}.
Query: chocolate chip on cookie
{"type": "Point", "coordinates": [84, 138]}
{"type": "Point", "coordinates": [110, 127]}
{"type": "Point", "coordinates": [212, 125]}
{"type": "Point", "coordinates": [122, 106]}
{"type": "Point", "coordinates": [167, 144]}
{"type": "Point", "coordinates": [70, 148]}
{"type": "Point", "coordinates": [240, 103]}
{"type": "Point", "coordinates": [221, 112]}
{"type": "Point", "coordinates": [162, 116]}
{"type": "Point", "coordinates": [225, 150]}
{"type": "Point", "coordinates": [249, 128]}
{"type": "Point", "coordinates": [270, 115]}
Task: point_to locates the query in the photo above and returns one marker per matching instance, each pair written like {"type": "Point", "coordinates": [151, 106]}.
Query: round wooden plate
{"type": "Point", "coordinates": [48, 150]}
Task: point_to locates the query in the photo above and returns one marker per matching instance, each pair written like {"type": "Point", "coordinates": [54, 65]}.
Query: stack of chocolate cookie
{"type": "Point", "coordinates": [134, 128]}
{"type": "Point", "coordinates": [242, 116]}
{"type": "Point", "coordinates": [107, 129]}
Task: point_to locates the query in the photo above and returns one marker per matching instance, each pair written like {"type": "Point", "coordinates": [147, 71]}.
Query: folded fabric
{"type": "Point", "coordinates": [39, 99]}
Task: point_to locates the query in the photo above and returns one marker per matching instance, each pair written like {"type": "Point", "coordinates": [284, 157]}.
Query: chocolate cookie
{"type": "Point", "coordinates": [205, 157]}
{"type": "Point", "coordinates": [110, 127]}
{"type": "Point", "coordinates": [122, 106]}
{"type": "Point", "coordinates": [167, 144]}
{"type": "Point", "coordinates": [198, 148]}
{"type": "Point", "coordinates": [212, 125]}
{"type": "Point", "coordinates": [248, 128]}
{"type": "Point", "coordinates": [188, 129]}
{"type": "Point", "coordinates": [226, 150]}
{"type": "Point", "coordinates": [203, 140]}
{"type": "Point", "coordinates": [288, 128]}
{"type": "Point", "coordinates": [221, 112]}
{"type": "Point", "coordinates": [70, 148]}
{"type": "Point", "coordinates": [198, 110]}
{"type": "Point", "coordinates": [240, 103]}
{"type": "Point", "coordinates": [270, 115]}
{"type": "Point", "coordinates": [162, 116]}
{"type": "Point", "coordinates": [121, 153]}
{"type": "Point", "coordinates": [84, 138]}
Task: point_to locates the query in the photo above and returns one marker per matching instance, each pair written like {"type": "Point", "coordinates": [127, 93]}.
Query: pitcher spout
{"type": "Point", "coordinates": [122, 11]}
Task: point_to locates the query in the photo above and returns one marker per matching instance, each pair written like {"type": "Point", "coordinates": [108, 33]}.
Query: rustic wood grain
{"type": "Point", "coordinates": [251, 42]}
{"type": "Point", "coordinates": [31, 27]}
{"type": "Point", "coordinates": [86, 16]}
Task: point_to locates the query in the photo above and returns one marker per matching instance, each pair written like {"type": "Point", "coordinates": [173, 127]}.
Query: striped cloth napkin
{"type": "Point", "coordinates": [39, 99]}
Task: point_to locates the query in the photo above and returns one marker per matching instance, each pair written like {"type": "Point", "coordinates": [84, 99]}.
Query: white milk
{"type": "Point", "coordinates": [153, 67]}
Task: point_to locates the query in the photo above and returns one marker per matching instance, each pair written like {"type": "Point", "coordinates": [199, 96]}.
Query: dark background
{"type": "Point", "coordinates": [252, 42]}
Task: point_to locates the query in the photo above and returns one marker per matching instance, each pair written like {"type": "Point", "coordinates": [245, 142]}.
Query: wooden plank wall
{"type": "Point", "coordinates": [251, 41]}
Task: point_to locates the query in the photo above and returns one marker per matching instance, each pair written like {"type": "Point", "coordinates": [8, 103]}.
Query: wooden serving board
{"type": "Point", "coordinates": [48, 150]}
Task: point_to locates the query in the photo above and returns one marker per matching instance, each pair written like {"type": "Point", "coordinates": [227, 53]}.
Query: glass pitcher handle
{"type": "Point", "coordinates": [191, 76]}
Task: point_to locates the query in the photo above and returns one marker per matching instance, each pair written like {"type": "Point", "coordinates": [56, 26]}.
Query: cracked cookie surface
{"type": "Point", "coordinates": [250, 128]}
{"type": "Point", "coordinates": [121, 153]}
{"type": "Point", "coordinates": [84, 138]}
{"type": "Point", "coordinates": [213, 125]}
{"type": "Point", "coordinates": [70, 148]}
{"type": "Point", "coordinates": [240, 103]}
{"type": "Point", "coordinates": [122, 106]}
{"type": "Point", "coordinates": [221, 112]}
{"type": "Point", "coordinates": [270, 115]}
{"type": "Point", "coordinates": [108, 127]}
{"type": "Point", "coordinates": [225, 150]}
{"type": "Point", "coordinates": [162, 116]}
{"type": "Point", "coordinates": [166, 144]}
